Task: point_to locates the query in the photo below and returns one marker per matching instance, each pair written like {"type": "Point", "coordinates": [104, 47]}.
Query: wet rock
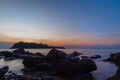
{"type": "Point", "coordinates": [7, 54]}
{"type": "Point", "coordinates": [75, 53]}
{"type": "Point", "coordinates": [63, 68]}
{"type": "Point", "coordinates": [116, 59]}
{"type": "Point", "coordinates": [88, 76]}
{"type": "Point", "coordinates": [44, 67]}
{"type": "Point", "coordinates": [85, 57]}
{"type": "Point", "coordinates": [10, 58]}
{"type": "Point", "coordinates": [84, 66]}
{"type": "Point", "coordinates": [31, 61]}
{"type": "Point", "coordinates": [95, 57]}
{"type": "Point", "coordinates": [3, 71]}
{"type": "Point", "coordinates": [110, 58]}
{"type": "Point", "coordinates": [55, 55]}
{"type": "Point", "coordinates": [75, 57]}
{"type": "Point", "coordinates": [39, 54]}
{"type": "Point", "coordinates": [19, 50]}
{"type": "Point", "coordinates": [116, 76]}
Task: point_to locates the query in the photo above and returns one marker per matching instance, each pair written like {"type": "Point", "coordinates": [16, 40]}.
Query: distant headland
{"type": "Point", "coordinates": [27, 45]}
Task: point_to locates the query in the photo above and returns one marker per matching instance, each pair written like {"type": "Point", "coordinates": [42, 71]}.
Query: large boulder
{"type": "Point", "coordinates": [44, 67]}
{"type": "Point", "coordinates": [63, 68]}
{"type": "Point", "coordinates": [3, 71]}
{"type": "Point", "coordinates": [84, 66]}
{"type": "Point", "coordinates": [31, 61]}
{"type": "Point", "coordinates": [117, 59]}
{"type": "Point", "coordinates": [55, 55]}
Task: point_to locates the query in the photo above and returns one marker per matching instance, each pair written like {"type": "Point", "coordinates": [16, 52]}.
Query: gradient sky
{"type": "Point", "coordinates": [60, 22]}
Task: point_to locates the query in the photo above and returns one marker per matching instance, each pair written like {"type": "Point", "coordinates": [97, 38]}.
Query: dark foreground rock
{"type": "Point", "coordinates": [55, 55]}
{"type": "Point", "coordinates": [31, 61]}
{"type": "Point", "coordinates": [56, 65]}
{"type": "Point", "coordinates": [84, 66]}
{"type": "Point", "coordinates": [3, 71]}
{"type": "Point", "coordinates": [117, 59]}
{"type": "Point", "coordinates": [63, 67]}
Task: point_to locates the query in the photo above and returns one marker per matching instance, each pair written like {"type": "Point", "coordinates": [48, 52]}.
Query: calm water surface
{"type": "Point", "coordinates": [105, 69]}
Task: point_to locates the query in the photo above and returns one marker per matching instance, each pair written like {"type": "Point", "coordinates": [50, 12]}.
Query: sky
{"type": "Point", "coordinates": [60, 22]}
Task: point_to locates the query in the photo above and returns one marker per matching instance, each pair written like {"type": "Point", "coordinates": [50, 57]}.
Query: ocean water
{"type": "Point", "coordinates": [105, 69]}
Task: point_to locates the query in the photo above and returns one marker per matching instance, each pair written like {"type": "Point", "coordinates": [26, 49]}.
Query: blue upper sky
{"type": "Point", "coordinates": [65, 22]}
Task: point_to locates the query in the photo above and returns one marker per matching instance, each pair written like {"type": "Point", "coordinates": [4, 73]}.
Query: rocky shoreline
{"type": "Point", "coordinates": [56, 65]}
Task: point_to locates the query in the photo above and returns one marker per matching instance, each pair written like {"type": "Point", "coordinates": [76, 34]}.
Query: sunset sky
{"type": "Point", "coordinates": [60, 22]}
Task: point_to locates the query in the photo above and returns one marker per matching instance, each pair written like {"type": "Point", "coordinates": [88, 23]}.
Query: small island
{"type": "Point", "coordinates": [27, 45]}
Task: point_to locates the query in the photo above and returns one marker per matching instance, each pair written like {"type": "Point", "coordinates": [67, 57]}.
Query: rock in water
{"type": "Point", "coordinates": [19, 50]}
{"type": "Point", "coordinates": [44, 67]}
{"type": "Point", "coordinates": [55, 55]}
{"type": "Point", "coordinates": [31, 62]}
{"type": "Point", "coordinates": [3, 71]}
{"type": "Point", "coordinates": [117, 59]}
{"type": "Point", "coordinates": [63, 68]}
{"type": "Point", "coordinates": [84, 66]}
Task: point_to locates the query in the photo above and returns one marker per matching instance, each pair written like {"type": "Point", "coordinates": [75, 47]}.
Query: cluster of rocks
{"type": "Point", "coordinates": [116, 59]}
{"type": "Point", "coordinates": [56, 65]}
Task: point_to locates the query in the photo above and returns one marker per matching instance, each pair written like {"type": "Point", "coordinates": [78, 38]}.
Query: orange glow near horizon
{"type": "Point", "coordinates": [63, 42]}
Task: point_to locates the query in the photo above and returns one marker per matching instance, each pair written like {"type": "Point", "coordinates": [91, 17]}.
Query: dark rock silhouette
{"type": "Point", "coordinates": [55, 55]}
{"type": "Point", "coordinates": [75, 53]}
{"type": "Point", "coordinates": [44, 67]}
{"type": "Point", "coordinates": [3, 71]}
{"type": "Point", "coordinates": [31, 61]}
{"type": "Point", "coordinates": [110, 58]}
{"type": "Point", "coordinates": [95, 57]}
{"type": "Point", "coordinates": [84, 66]}
{"type": "Point", "coordinates": [63, 67]}
{"type": "Point", "coordinates": [32, 46]}
{"type": "Point", "coordinates": [117, 59]}
{"type": "Point", "coordinates": [19, 50]}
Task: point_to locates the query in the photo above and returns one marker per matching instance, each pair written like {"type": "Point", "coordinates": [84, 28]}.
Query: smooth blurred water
{"type": "Point", "coordinates": [105, 69]}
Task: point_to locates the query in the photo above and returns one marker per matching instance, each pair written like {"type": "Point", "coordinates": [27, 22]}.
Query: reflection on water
{"type": "Point", "coordinates": [105, 69]}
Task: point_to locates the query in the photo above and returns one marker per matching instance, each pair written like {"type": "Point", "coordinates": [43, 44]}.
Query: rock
{"type": "Point", "coordinates": [13, 76]}
{"type": "Point", "coordinates": [55, 55]}
{"type": "Point", "coordinates": [39, 54]}
{"type": "Point", "coordinates": [10, 58]}
{"type": "Point", "coordinates": [84, 57]}
{"type": "Point", "coordinates": [75, 57]}
{"type": "Point", "coordinates": [110, 58]}
{"type": "Point", "coordinates": [3, 71]}
{"type": "Point", "coordinates": [95, 57]}
{"type": "Point", "coordinates": [116, 59]}
{"type": "Point", "coordinates": [116, 76]}
{"type": "Point", "coordinates": [19, 50]}
{"type": "Point", "coordinates": [88, 76]}
{"type": "Point", "coordinates": [6, 53]}
{"type": "Point", "coordinates": [31, 61]}
{"type": "Point", "coordinates": [75, 53]}
{"type": "Point", "coordinates": [44, 67]}
{"type": "Point", "coordinates": [63, 68]}
{"type": "Point", "coordinates": [84, 66]}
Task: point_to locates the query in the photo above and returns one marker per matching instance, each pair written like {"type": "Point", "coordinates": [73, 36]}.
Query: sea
{"type": "Point", "coordinates": [105, 69]}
